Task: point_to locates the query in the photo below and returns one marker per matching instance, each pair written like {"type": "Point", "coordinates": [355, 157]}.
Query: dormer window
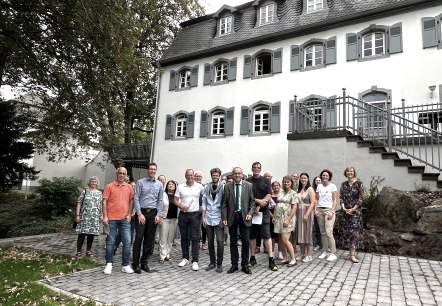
{"type": "Point", "coordinates": [314, 5]}
{"type": "Point", "coordinates": [266, 13]}
{"type": "Point", "coordinates": [225, 25]}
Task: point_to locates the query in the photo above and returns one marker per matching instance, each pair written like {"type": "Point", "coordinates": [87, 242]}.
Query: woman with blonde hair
{"type": "Point", "coordinates": [285, 216]}
{"type": "Point", "coordinates": [351, 228]}
{"type": "Point", "coordinates": [87, 215]}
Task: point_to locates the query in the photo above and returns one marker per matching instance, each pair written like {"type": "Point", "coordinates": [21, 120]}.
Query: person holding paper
{"type": "Point", "coordinates": [262, 191]}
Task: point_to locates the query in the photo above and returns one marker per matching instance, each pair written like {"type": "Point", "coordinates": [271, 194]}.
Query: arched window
{"type": "Point", "coordinates": [313, 55]}
{"type": "Point", "coordinates": [264, 64]}
{"type": "Point", "coordinates": [377, 101]}
{"type": "Point", "coordinates": [184, 78]}
{"type": "Point", "coordinates": [373, 44]}
{"type": "Point", "coordinates": [221, 72]}
{"type": "Point", "coordinates": [181, 126]}
{"type": "Point", "coordinates": [261, 119]}
{"type": "Point", "coordinates": [218, 121]}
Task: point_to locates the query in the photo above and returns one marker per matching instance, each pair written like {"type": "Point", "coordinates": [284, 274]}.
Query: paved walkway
{"type": "Point", "coordinates": [376, 280]}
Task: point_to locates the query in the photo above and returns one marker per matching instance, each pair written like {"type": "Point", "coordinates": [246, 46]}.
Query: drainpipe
{"type": "Point", "coordinates": [152, 150]}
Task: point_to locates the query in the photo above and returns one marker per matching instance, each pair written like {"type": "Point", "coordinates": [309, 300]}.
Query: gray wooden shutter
{"type": "Point", "coordinates": [330, 51]}
{"type": "Point", "coordinates": [172, 80]}
{"type": "Point", "coordinates": [244, 128]}
{"type": "Point", "coordinates": [206, 80]}
{"type": "Point", "coordinates": [247, 73]}
{"type": "Point", "coordinates": [429, 32]}
{"type": "Point", "coordinates": [232, 69]}
{"type": "Point", "coordinates": [295, 59]}
{"type": "Point", "coordinates": [168, 133]}
{"type": "Point", "coordinates": [194, 76]}
{"type": "Point", "coordinates": [275, 117]}
{"type": "Point", "coordinates": [203, 124]}
{"type": "Point", "coordinates": [395, 35]}
{"type": "Point", "coordinates": [190, 127]}
{"type": "Point", "coordinates": [352, 46]}
{"type": "Point", "coordinates": [277, 61]}
{"type": "Point", "coordinates": [228, 126]}
{"type": "Point", "coordinates": [291, 115]}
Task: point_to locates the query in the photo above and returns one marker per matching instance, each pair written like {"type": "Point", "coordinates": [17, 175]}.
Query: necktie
{"type": "Point", "coordinates": [237, 195]}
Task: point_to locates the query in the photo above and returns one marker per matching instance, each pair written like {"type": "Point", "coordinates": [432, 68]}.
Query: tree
{"type": "Point", "coordinates": [91, 64]}
{"type": "Point", "coordinates": [13, 150]}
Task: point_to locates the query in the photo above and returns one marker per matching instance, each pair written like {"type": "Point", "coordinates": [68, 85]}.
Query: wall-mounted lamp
{"type": "Point", "coordinates": [431, 88]}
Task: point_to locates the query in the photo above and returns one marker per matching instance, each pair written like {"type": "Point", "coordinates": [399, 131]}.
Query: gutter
{"type": "Point", "coordinates": [152, 150]}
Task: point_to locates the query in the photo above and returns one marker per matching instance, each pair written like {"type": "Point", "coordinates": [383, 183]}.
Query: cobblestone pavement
{"type": "Point", "coordinates": [376, 280]}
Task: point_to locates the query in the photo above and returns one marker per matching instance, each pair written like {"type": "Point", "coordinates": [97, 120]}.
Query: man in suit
{"type": "Point", "coordinates": [238, 205]}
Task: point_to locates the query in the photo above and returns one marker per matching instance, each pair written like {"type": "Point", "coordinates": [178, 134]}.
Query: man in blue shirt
{"type": "Point", "coordinates": [212, 197]}
{"type": "Point", "coordinates": [148, 202]}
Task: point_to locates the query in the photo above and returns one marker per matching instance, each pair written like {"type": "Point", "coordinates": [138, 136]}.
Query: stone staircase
{"type": "Point", "coordinates": [398, 162]}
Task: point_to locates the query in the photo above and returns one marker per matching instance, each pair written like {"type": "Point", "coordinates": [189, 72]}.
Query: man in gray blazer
{"type": "Point", "coordinates": [238, 205]}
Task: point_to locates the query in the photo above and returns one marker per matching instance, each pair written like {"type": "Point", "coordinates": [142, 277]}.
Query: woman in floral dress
{"type": "Point", "coordinates": [285, 216]}
{"type": "Point", "coordinates": [88, 214]}
{"type": "Point", "coordinates": [350, 226]}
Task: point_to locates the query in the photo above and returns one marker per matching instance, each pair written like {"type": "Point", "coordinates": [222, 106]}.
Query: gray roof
{"type": "Point", "coordinates": [197, 38]}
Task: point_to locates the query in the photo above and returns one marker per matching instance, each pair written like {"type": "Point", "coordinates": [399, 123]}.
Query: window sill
{"type": "Point", "coordinates": [308, 68]}
{"type": "Point", "coordinates": [373, 57]}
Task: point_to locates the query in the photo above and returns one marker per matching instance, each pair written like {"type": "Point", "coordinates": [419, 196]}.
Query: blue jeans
{"type": "Point", "coordinates": [116, 226]}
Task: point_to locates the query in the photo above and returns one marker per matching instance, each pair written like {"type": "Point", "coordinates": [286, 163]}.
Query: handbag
{"type": "Point", "coordinates": [75, 223]}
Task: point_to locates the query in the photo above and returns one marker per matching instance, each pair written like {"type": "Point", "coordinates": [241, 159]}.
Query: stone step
{"type": "Point", "coordinates": [430, 176]}
{"type": "Point", "coordinates": [402, 162]}
{"type": "Point", "coordinates": [390, 155]}
{"type": "Point", "coordinates": [365, 143]}
{"type": "Point", "coordinates": [354, 138]}
{"type": "Point", "coordinates": [439, 184]}
{"type": "Point", "coordinates": [377, 149]}
{"type": "Point", "coordinates": [416, 169]}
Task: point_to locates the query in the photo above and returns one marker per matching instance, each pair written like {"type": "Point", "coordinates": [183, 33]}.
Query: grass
{"type": "Point", "coordinates": [22, 268]}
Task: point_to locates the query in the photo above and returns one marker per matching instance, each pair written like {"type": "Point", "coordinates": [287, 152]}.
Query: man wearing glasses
{"type": "Point", "coordinates": [117, 208]}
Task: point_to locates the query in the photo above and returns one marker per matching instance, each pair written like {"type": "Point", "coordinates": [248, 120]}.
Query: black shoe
{"type": "Point", "coordinates": [145, 267]}
{"type": "Point", "coordinates": [211, 266]}
{"type": "Point", "coordinates": [137, 269]}
{"type": "Point", "coordinates": [219, 269]}
{"type": "Point", "coordinates": [246, 270]}
{"type": "Point", "coordinates": [232, 269]}
{"type": "Point", "coordinates": [252, 262]}
{"type": "Point", "coordinates": [273, 266]}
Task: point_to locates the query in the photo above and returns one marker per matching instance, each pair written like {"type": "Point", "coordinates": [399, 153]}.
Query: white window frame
{"type": "Point", "coordinates": [314, 5]}
{"type": "Point", "coordinates": [260, 63]}
{"type": "Point", "coordinates": [266, 13]}
{"type": "Point", "coordinates": [314, 50]}
{"type": "Point", "coordinates": [218, 123]}
{"type": "Point", "coordinates": [372, 41]}
{"type": "Point", "coordinates": [221, 72]}
{"type": "Point", "coordinates": [261, 120]}
{"type": "Point", "coordinates": [181, 126]}
{"type": "Point", "coordinates": [225, 25]}
{"type": "Point", "coordinates": [184, 81]}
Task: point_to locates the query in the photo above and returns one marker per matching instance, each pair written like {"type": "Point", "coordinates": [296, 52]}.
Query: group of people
{"type": "Point", "coordinates": [250, 207]}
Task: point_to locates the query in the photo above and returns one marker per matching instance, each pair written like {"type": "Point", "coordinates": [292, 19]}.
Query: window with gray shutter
{"type": "Point", "coordinates": [275, 117]}
{"type": "Point", "coordinates": [172, 80]}
{"type": "Point", "coordinates": [194, 76]}
{"type": "Point", "coordinates": [429, 32]}
{"type": "Point", "coordinates": [203, 124]}
{"type": "Point", "coordinates": [395, 35]}
{"type": "Point", "coordinates": [277, 61]}
{"type": "Point", "coordinates": [168, 132]}
{"type": "Point", "coordinates": [229, 121]}
{"type": "Point", "coordinates": [190, 124]}
{"type": "Point", "coordinates": [207, 74]}
{"type": "Point", "coordinates": [352, 46]}
{"type": "Point", "coordinates": [247, 73]}
{"type": "Point", "coordinates": [232, 69]}
{"type": "Point", "coordinates": [330, 51]}
{"type": "Point", "coordinates": [244, 128]}
{"type": "Point", "coordinates": [295, 59]}
{"type": "Point", "coordinates": [291, 115]}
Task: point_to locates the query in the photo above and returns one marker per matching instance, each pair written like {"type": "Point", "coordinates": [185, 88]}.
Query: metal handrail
{"type": "Point", "coordinates": [402, 129]}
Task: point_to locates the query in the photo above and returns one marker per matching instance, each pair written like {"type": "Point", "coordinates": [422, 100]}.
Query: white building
{"type": "Point", "coordinates": [229, 79]}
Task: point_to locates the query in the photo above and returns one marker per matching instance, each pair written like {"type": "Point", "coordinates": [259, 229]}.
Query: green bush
{"type": "Point", "coordinates": [58, 195]}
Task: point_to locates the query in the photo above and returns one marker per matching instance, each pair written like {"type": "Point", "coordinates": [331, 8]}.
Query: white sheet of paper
{"type": "Point", "coordinates": [257, 218]}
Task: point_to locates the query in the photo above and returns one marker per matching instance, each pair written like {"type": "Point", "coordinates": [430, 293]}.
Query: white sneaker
{"type": "Point", "coordinates": [108, 269]}
{"type": "Point", "coordinates": [317, 248]}
{"type": "Point", "coordinates": [332, 257]}
{"type": "Point", "coordinates": [307, 259]}
{"type": "Point", "coordinates": [183, 263]}
{"type": "Point", "coordinates": [323, 255]}
{"type": "Point", "coordinates": [195, 266]}
{"type": "Point", "coordinates": [127, 269]}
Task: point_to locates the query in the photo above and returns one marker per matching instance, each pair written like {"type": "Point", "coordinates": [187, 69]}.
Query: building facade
{"type": "Point", "coordinates": [225, 97]}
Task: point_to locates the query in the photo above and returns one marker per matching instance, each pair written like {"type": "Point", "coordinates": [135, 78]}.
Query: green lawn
{"type": "Point", "coordinates": [21, 268]}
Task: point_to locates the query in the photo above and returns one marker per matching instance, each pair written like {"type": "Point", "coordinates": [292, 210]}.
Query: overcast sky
{"type": "Point", "coordinates": [213, 5]}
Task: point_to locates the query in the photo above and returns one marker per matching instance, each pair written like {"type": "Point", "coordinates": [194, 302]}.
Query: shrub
{"type": "Point", "coordinates": [371, 194]}
{"type": "Point", "coordinates": [58, 195]}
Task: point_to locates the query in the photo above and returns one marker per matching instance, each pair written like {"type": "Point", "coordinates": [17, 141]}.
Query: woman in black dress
{"type": "Point", "coordinates": [350, 225]}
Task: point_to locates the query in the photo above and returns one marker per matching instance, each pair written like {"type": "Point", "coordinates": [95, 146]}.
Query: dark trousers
{"type": "Point", "coordinates": [80, 241]}
{"type": "Point", "coordinates": [190, 232]}
{"type": "Point", "coordinates": [218, 232]}
{"type": "Point", "coordinates": [317, 232]}
{"type": "Point", "coordinates": [238, 223]}
{"type": "Point", "coordinates": [144, 234]}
